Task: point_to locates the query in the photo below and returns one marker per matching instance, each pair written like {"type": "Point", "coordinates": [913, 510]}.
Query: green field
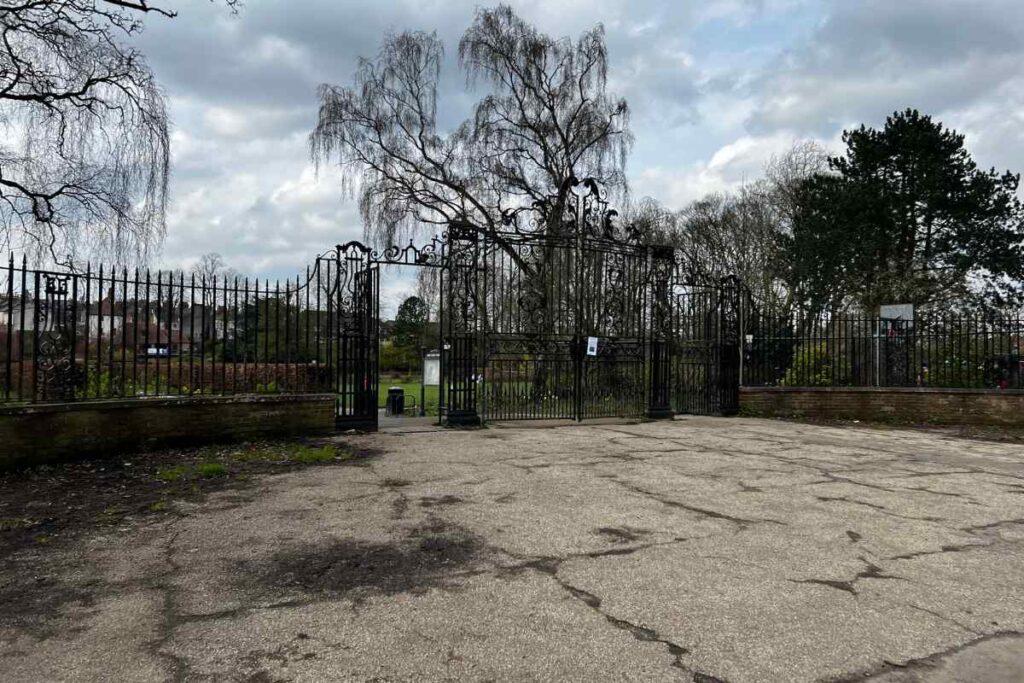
{"type": "Point", "coordinates": [411, 386]}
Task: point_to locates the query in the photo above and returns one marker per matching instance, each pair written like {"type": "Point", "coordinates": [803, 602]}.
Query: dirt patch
{"type": "Point", "coordinates": [37, 604]}
{"type": "Point", "coordinates": [48, 504]}
{"type": "Point", "coordinates": [427, 557]}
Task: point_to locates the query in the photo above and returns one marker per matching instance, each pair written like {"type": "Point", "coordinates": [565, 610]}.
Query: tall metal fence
{"type": "Point", "coordinates": [104, 333]}
{"type": "Point", "coordinates": [946, 350]}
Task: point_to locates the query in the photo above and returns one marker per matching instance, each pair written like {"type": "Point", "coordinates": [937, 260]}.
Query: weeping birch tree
{"type": "Point", "coordinates": [544, 119]}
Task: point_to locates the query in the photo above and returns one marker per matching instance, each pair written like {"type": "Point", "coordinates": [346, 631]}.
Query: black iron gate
{"type": "Point", "coordinates": [561, 314]}
{"type": "Point", "coordinates": [347, 290]}
{"type": "Point", "coordinates": [705, 350]}
{"type": "Point", "coordinates": [565, 295]}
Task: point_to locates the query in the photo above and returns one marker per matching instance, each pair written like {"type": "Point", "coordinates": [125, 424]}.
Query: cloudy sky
{"type": "Point", "coordinates": [715, 87]}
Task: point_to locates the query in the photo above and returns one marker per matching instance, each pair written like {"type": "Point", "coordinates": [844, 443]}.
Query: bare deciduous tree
{"type": "Point", "coordinates": [787, 172]}
{"type": "Point", "coordinates": [84, 160]}
{"type": "Point", "coordinates": [733, 234]}
{"type": "Point", "coordinates": [209, 266]}
{"type": "Point", "coordinates": [211, 272]}
{"type": "Point", "coordinates": [546, 119]}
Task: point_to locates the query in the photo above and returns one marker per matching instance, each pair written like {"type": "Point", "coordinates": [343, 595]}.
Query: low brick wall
{"type": "Point", "coordinates": [37, 434]}
{"type": "Point", "coordinates": [923, 405]}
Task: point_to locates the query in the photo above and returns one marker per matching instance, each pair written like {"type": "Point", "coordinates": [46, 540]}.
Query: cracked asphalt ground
{"type": "Point", "coordinates": [701, 549]}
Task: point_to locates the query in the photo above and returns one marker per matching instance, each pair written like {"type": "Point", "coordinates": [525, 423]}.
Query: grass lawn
{"type": "Point", "coordinates": [411, 386]}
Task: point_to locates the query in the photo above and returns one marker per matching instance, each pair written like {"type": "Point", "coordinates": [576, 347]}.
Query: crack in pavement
{"type": "Point", "coordinates": [169, 618]}
{"type": "Point", "coordinates": [993, 525]}
{"type": "Point", "coordinates": [914, 474]}
{"type": "Point", "coordinates": [851, 501]}
{"type": "Point", "coordinates": [881, 509]}
{"type": "Point", "coordinates": [941, 616]}
{"type": "Point", "coordinates": [920, 663]}
{"type": "Point", "coordinates": [952, 548]}
{"type": "Point", "coordinates": [551, 565]}
{"type": "Point", "coordinates": [988, 541]}
{"type": "Point", "coordinates": [713, 514]}
{"type": "Point", "coordinates": [872, 571]}
{"type": "Point", "coordinates": [961, 496]}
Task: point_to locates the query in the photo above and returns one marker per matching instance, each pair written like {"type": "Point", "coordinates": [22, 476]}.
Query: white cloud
{"type": "Point", "coordinates": [732, 165]}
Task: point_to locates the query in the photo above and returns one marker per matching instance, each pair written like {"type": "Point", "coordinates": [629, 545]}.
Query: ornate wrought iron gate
{"type": "Point", "coordinates": [348, 279]}
{"type": "Point", "coordinates": [705, 348]}
{"type": "Point", "coordinates": [565, 295]}
{"type": "Point", "coordinates": [561, 314]}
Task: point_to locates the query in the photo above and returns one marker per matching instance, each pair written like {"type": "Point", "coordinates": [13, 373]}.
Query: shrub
{"type": "Point", "coordinates": [817, 366]}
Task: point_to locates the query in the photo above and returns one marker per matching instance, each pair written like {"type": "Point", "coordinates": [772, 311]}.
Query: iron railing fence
{"type": "Point", "coordinates": [947, 350]}
{"type": "Point", "coordinates": [113, 333]}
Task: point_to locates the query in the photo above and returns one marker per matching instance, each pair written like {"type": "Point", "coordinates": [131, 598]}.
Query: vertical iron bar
{"type": "Point", "coordinates": [11, 329]}
{"type": "Point", "coordinates": [234, 340]}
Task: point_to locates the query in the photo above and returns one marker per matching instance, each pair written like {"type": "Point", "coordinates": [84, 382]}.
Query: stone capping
{"type": "Point", "coordinates": [158, 402]}
{"type": "Point", "coordinates": [884, 390]}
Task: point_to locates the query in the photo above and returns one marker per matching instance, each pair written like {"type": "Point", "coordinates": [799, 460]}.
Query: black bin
{"type": "Point", "coordinates": [396, 401]}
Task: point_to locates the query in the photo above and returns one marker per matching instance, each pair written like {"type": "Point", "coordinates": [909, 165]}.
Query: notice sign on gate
{"type": "Point", "coordinates": [591, 346]}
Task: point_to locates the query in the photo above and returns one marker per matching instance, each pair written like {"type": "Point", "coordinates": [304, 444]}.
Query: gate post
{"type": "Point", "coordinates": [462, 326]}
{"type": "Point", "coordinates": [729, 346]}
{"type": "Point", "coordinates": [659, 405]}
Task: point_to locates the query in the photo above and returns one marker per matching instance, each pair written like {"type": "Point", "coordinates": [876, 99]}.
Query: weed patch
{"type": "Point", "coordinates": [172, 473]}
{"type": "Point", "coordinates": [210, 470]}
{"type": "Point", "coordinates": [308, 455]}
{"type": "Point", "coordinates": [15, 523]}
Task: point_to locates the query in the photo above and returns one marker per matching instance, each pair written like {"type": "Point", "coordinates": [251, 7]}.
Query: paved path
{"type": "Point", "coordinates": [702, 549]}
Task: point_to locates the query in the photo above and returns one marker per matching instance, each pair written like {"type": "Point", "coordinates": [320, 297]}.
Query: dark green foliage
{"type": "Point", "coordinates": [410, 323]}
{"type": "Point", "coordinates": [907, 217]}
{"type": "Point", "coordinates": [410, 332]}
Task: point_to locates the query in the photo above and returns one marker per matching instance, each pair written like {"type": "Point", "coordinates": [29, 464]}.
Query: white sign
{"type": "Point", "coordinates": [896, 312]}
{"type": "Point", "coordinates": [591, 346]}
{"type": "Point", "coordinates": [432, 369]}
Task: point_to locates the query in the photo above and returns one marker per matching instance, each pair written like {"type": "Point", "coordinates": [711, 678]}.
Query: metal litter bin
{"type": "Point", "coordinates": [396, 401]}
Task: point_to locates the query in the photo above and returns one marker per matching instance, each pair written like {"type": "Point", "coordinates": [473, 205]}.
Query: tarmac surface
{"type": "Point", "coordinates": [700, 549]}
